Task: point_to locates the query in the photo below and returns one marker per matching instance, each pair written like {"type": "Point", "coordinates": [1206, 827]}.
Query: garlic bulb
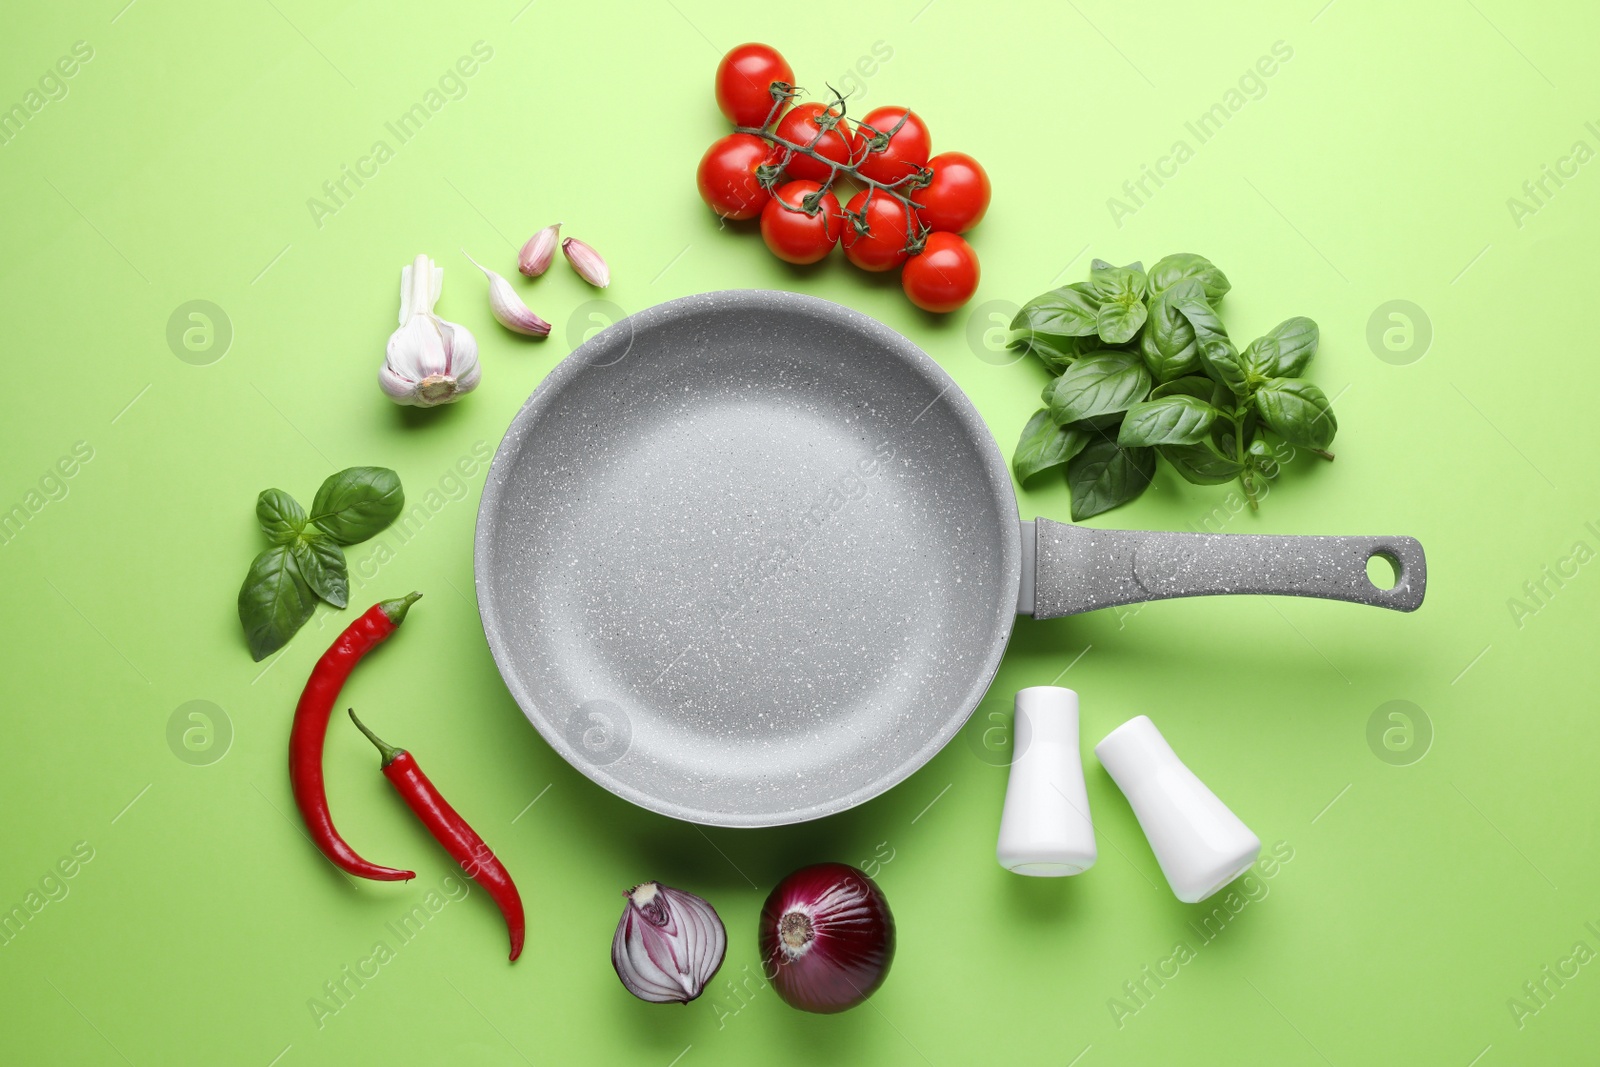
{"type": "Point", "coordinates": [507, 307]}
{"type": "Point", "coordinates": [429, 361]}
{"type": "Point", "coordinates": [668, 945]}
{"type": "Point", "coordinates": [535, 257]}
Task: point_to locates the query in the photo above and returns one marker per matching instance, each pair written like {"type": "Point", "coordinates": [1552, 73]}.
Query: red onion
{"type": "Point", "coordinates": [827, 938]}
{"type": "Point", "coordinates": [668, 944]}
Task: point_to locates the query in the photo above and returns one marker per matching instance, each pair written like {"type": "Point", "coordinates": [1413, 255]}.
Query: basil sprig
{"type": "Point", "coordinates": [305, 560]}
{"type": "Point", "coordinates": [1144, 366]}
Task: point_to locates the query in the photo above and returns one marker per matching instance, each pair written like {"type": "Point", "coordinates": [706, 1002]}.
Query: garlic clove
{"type": "Point", "coordinates": [535, 257]}
{"type": "Point", "coordinates": [416, 350]}
{"type": "Point", "coordinates": [463, 354]}
{"type": "Point", "coordinates": [587, 262]}
{"type": "Point", "coordinates": [398, 389]}
{"type": "Point", "coordinates": [507, 308]}
{"type": "Point", "coordinates": [428, 361]}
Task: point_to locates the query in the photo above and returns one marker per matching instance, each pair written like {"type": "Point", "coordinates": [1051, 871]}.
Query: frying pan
{"type": "Point", "coordinates": [750, 558]}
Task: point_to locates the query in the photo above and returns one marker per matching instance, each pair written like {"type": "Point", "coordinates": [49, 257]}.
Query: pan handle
{"type": "Point", "coordinates": [1076, 568]}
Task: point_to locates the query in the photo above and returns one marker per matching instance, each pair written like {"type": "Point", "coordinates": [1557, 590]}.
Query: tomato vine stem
{"type": "Point", "coordinates": [767, 176]}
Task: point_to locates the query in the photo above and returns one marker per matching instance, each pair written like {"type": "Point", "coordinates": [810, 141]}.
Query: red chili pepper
{"type": "Point", "coordinates": [311, 729]}
{"type": "Point", "coordinates": [451, 831]}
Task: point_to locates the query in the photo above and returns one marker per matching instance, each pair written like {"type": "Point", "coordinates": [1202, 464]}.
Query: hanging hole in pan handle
{"type": "Point", "coordinates": [1383, 570]}
{"type": "Point", "coordinates": [1396, 572]}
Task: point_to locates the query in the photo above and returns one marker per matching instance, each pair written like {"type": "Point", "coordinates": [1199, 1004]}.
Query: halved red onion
{"type": "Point", "coordinates": [827, 938]}
{"type": "Point", "coordinates": [668, 944]}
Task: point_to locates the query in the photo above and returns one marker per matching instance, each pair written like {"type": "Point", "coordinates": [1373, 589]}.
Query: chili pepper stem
{"type": "Point", "coordinates": [395, 610]}
{"type": "Point", "coordinates": [389, 752]}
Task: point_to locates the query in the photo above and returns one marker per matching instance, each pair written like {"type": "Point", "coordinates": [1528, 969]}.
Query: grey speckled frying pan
{"type": "Point", "coordinates": [751, 558]}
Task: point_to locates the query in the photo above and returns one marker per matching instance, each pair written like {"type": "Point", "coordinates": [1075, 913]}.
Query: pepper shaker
{"type": "Point", "coordinates": [1200, 844]}
{"type": "Point", "coordinates": [1045, 828]}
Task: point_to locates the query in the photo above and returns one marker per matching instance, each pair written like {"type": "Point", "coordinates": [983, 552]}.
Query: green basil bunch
{"type": "Point", "coordinates": [306, 560]}
{"type": "Point", "coordinates": [1145, 367]}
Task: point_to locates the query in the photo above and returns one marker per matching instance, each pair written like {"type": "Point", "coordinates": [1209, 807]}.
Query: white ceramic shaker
{"type": "Point", "coordinates": [1200, 844]}
{"type": "Point", "coordinates": [1045, 829]}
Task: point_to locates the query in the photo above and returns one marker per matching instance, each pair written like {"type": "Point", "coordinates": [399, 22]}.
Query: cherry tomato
{"type": "Point", "coordinates": [883, 246]}
{"type": "Point", "coordinates": [800, 125]}
{"type": "Point", "coordinates": [958, 195]}
{"type": "Point", "coordinates": [744, 78]}
{"type": "Point", "coordinates": [727, 175]}
{"type": "Point", "coordinates": [796, 237]}
{"type": "Point", "coordinates": [943, 276]}
{"type": "Point", "coordinates": [907, 150]}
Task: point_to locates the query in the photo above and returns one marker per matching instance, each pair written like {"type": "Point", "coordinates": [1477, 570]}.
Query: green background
{"type": "Point", "coordinates": [1429, 879]}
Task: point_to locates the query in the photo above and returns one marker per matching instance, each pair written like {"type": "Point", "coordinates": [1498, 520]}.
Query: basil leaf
{"type": "Point", "coordinates": [1202, 317]}
{"type": "Point", "coordinates": [1122, 312]}
{"type": "Point", "coordinates": [1056, 353]}
{"type": "Point", "coordinates": [1050, 389]}
{"type": "Point", "coordinates": [1201, 466]}
{"type": "Point", "coordinates": [1044, 445]}
{"type": "Point", "coordinates": [1195, 386]}
{"type": "Point", "coordinates": [1260, 360]}
{"type": "Point", "coordinates": [1297, 343]}
{"type": "Point", "coordinates": [280, 515]}
{"type": "Point", "coordinates": [1091, 422]}
{"type": "Point", "coordinates": [1099, 425]}
{"type": "Point", "coordinates": [1100, 384]}
{"type": "Point", "coordinates": [1047, 394]}
{"type": "Point", "coordinates": [1173, 420]}
{"type": "Point", "coordinates": [1223, 365]}
{"type": "Point", "coordinates": [1297, 411]}
{"type": "Point", "coordinates": [1184, 289]}
{"type": "Point", "coordinates": [1264, 459]}
{"type": "Point", "coordinates": [1120, 319]}
{"type": "Point", "coordinates": [357, 502]}
{"type": "Point", "coordinates": [321, 564]}
{"type": "Point", "coordinates": [1168, 343]}
{"type": "Point", "coordinates": [274, 601]}
{"type": "Point", "coordinates": [1116, 282]}
{"type": "Point", "coordinates": [1100, 264]}
{"type": "Point", "coordinates": [1069, 311]}
{"type": "Point", "coordinates": [1186, 265]}
{"type": "Point", "coordinates": [1105, 475]}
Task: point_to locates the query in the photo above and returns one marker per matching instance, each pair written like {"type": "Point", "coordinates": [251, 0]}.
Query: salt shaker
{"type": "Point", "coordinates": [1045, 829]}
{"type": "Point", "coordinates": [1200, 844]}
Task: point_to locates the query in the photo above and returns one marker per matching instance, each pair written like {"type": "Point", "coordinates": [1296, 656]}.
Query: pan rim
{"type": "Point", "coordinates": [890, 341]}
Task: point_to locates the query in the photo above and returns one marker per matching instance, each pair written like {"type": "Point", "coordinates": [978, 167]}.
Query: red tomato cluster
{"type": "Point", "coordinates": [792, 165]}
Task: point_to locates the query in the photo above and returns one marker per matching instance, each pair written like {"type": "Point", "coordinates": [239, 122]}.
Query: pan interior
{"type": "Point", "coordinates": [748, 558]}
